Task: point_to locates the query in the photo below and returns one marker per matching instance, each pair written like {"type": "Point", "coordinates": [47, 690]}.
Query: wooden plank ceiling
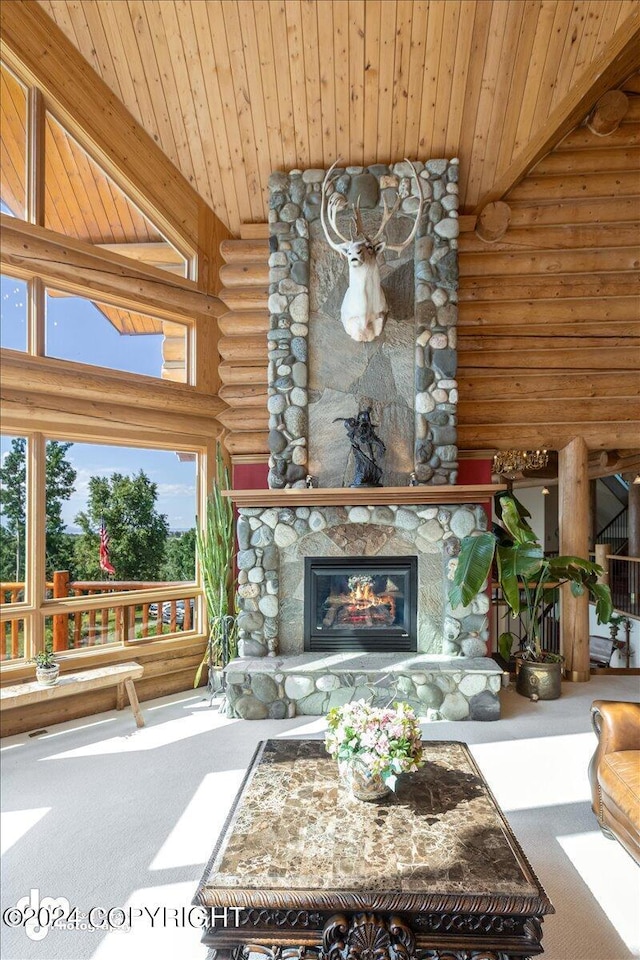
{"type": "Point", "coordinates": [234, 89]}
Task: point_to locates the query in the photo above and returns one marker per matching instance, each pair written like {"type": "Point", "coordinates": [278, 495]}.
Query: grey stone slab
{"type": "Point", "coordinates": [369, 663]}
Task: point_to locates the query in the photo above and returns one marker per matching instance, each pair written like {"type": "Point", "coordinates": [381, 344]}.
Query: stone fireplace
{"type": "Point", "coordinates": [310, 641]}
{"type": "Point", "coordinates": [448, 675]}
{"type": "Point", "coordinates": [275, 544]}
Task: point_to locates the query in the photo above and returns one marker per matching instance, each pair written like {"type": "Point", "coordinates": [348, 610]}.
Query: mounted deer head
{"type": "Point", "coordinates": [364, 308]}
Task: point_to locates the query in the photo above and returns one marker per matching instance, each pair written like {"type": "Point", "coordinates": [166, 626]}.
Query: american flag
{"type": "Point", "coordinates": [105, 563]}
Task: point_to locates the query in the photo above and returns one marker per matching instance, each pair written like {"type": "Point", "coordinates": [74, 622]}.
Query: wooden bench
{"type": "Point", "coordinates": [121, 674]}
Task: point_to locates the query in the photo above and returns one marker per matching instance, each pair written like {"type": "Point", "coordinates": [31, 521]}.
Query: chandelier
{"type": "Point", "coordinates": [509, 463]}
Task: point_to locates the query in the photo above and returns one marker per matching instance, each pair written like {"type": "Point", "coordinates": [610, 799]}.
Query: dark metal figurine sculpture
{"type": "Point", "coordinates": [366, 446]}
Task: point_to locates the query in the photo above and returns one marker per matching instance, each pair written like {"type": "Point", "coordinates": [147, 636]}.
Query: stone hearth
{"type": "Point", "coordinates": [438, 688]}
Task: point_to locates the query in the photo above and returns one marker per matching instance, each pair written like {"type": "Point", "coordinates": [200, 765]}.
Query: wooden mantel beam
{"type": "Point", "coordinates": [619, 58]}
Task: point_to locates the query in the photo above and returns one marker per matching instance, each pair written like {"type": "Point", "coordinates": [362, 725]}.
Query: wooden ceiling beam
{"type": "Point", "coordinates": [619, 57]}
{"type": "Point", "coordinates": [152, 253]}
{"type": "Point", "coordinates": [93, 272]}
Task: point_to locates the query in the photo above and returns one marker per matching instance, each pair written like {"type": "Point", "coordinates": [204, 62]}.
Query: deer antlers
{"type": "Point", "coordinates": [332, 205]}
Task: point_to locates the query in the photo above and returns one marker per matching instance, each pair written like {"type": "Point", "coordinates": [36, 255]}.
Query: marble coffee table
{"type": "Point", "coordinates": [432, 873]}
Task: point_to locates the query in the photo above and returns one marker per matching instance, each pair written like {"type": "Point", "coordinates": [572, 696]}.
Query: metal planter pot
{"type": "Point", "coordinates": [541, 681]}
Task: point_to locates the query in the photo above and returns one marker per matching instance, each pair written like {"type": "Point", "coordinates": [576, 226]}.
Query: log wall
{"type": "Point", "coordinates": [549, 319]}
{"type": "Point", "coordinates": [243, 340]}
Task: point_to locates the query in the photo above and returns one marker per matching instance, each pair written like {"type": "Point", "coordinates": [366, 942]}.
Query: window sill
{"type": "Point", "coordinates": [85, 659]}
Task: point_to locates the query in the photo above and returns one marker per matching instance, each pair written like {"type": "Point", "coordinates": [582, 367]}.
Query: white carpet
{"type": "Point", "coordinates": [108, 816]}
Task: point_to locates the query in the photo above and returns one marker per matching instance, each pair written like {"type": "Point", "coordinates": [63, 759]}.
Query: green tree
{"type": "Point", "coordinates": [180, 556]}
{"type": "Point", "coordinates": [13, 492]}
{"type": "Point", "coordinates": [60, 481]}
{"type": "Point", "coordinates": [137, 532]}
{"type": "Point", "coordinates": [61, 478]}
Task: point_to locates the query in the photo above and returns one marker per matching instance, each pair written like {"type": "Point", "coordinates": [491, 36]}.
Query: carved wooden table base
{"type": "Point", "coordinates": [370, 936]}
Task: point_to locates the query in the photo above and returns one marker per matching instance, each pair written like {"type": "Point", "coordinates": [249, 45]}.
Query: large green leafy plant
{"type": "Point", "coordinates": [528, 578]}
{"type": "Point", "coordinates": [215, 558]}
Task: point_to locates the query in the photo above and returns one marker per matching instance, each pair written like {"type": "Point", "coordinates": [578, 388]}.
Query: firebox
{"type": "Point", "coordinates": [360, 603]}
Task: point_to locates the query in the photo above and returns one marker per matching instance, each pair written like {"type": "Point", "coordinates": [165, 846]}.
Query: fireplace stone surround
{"type": "Point", "coordinates": [450, 677]}
{"type": "Point", "coordinates": [273, 543]}
{"type": "Point", "coordinates": [316, 376]}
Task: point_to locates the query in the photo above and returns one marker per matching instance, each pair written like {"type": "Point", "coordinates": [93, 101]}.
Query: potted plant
{"type": "Point", "coordinates": [527, 579]}
{"type": "Point", "coordinates": [622, 646]}
{"type": "Point", "coordinates": [373, 745]}
{"type": "Point", "coordinates": [215, 558]}
{"type": "Point", "coordinates": [47, 667]}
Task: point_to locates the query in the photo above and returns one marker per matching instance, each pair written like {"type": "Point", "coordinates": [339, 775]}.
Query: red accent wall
{"type": "Point", "coordinates": [253, 476]}
{"type": "Point", "coordinates": [250, 476]}
{"type": "Point", "coordinates": [474, 471]}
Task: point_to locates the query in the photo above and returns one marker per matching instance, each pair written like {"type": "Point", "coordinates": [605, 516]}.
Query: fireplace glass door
{"type": "Point", "coordinates": [360, 603]}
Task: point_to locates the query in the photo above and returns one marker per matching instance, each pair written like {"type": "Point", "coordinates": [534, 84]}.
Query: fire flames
{"type": "Point", "coordinates": [361, 606]}
{"type": "Point", "coordinates": [363, 595]}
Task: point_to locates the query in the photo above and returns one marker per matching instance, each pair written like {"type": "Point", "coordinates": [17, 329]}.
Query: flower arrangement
{"type": "Point", "coordinates": [385, 741]}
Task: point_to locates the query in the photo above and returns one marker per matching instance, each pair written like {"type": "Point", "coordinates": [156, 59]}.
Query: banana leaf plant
{"type": "Point", "coordinates": [528, 579]}
{"type": "Point", "coordinates": [215, 544]}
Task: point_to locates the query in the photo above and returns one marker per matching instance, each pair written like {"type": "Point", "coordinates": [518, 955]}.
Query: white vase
{"type": "Point", "coordinates": [48, 676]}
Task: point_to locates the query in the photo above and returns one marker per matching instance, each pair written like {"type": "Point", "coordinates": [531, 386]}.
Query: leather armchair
{"type": "Point", "coordinates": [614, 772]}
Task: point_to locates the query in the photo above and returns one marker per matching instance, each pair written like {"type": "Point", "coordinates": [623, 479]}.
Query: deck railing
{"type": "Point", "coordinates": [624, 583]}
{"type": "Point", "coordinates": [103, 620]}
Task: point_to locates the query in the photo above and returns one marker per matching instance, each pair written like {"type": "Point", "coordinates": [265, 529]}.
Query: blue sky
{"type": "Point", "coordinates": [76, 330]}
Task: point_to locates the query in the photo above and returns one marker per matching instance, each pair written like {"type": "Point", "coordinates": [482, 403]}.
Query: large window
{"type": "Point", "coordinates": [13, 313]}
{"type": "Point", "coordinates": [142, 501]}
{"type": "Point", "coordinates": [82, 201]}
{"type": "Point", "coordinates": [103, 466]}
{"type": "Point", "coordinates": [119, 524]}
{"type": "Point", "coordinates": [93, 332]}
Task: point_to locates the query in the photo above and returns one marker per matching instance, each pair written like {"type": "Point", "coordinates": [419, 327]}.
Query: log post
{"type": "Point", "coordinates": [493, 221]}
{"type": "Point", "coordinates": [60, 620]}
{"type": "Point", "coordinates": [602, 552]}
{"type": "Point", "coordinates": [573, 483]}
{"type": "Point", "coordinates": [608, 113]}
{"type": "Point", "coordinates": [633, 521]}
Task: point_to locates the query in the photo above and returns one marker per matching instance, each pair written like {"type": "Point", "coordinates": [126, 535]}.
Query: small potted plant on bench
{"type": "Point", "coordinates": [47, 667]}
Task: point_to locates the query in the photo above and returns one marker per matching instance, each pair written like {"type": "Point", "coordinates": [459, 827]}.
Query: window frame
{"type": "Point", "coordinates": [36, 607]}
{"type": "Point", "coordinates": [47, 393]}
{"type": "Point", "coordinates": [38, 105]}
